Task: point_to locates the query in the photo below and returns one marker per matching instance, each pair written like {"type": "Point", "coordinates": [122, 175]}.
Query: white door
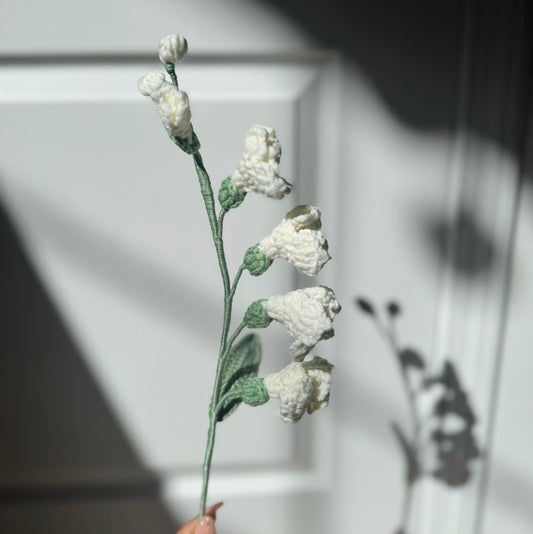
{"type": "Point", "coordinates": [411, 155]}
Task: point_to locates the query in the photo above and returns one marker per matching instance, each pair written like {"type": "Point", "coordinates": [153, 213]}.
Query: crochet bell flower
{"type": "Point", "coordinates": [307, 314]}
{"type": "Point", "coordinates": [172, 48]}
{"type": "Point", "coordinates": [298, 239]}
{"type": "Point", "coordinates": [258, 170]}
{"type": "Point", "coordinates": [172, 104]}
{"type": "Point", "coordinates": [301, 387]}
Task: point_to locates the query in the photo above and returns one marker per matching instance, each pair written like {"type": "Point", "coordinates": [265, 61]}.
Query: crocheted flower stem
{"type": "Point", "coordinates": [211, 443]}
{"type": "Point", "coordinates": [228, 296]}
{"type": "Point", "coordinates": [232, 340]}
{"type": "Point", "coordinates": [242, 268]}
{"type": "Point", "coordinates": [169, 67]}
{"type": "Point", "coordinates": [216, 225]}
{"type": "Point", "coordinates": [207, 459]}
{"type": "Point", "coordinates": [215, 406]}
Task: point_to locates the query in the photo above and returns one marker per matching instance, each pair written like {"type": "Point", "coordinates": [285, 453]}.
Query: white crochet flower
{"type": "Point", "coordinates": [172, 104]}
{"type": "Point", "coordinates": [301, 386]}
{"type": "Point", "coordinates": [299, 240]}
{"type": "Point", "coordinates": [307, 314]}
{"type": "Point", "coordinates": [172, 48]}
{"type": "Point", "coordinates": [151, 82]}
{"type": "Point", "coordinates": [258, 170]}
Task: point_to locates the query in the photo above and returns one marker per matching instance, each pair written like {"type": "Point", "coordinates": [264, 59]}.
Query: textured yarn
{"type": "Point", "coordinates": [254, 392]}
{"type": "Point", "coordinates": [256, 315]}
{"type": "Point", "coordinates": [256, 261]}
{"type": "Point", "coordinates": [258, 169]}
{"type": "Point", "coordinates": [307, 314]}
{"type": "Point", "coordinates": [301, 386]}
{"type": "Point", "coordinates": [298, 239]}
{"type": "Point", "coordinates": [151, 82]}
{"type": "Point", "coordinates": [173, 107]}
{"type": "Point", "coordinates": [172, 48]}
{"type": "Point", "coordinates": [172, 104]}
{"type": "Point", "coordinates": [229, 196]}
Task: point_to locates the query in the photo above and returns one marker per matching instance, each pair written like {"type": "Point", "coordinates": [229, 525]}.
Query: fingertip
{"type": "Point", "coordinates": [189, 527]}
{"type": "Point", "coordinates": [206, 525]}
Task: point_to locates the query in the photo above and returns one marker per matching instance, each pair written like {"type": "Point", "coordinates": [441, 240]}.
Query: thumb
{"type": "Point", "coordinates": [206, 525]}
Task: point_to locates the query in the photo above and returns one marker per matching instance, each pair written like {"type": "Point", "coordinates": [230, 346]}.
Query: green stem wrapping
{"type": "Point", "coordinates": [224, 346]}
{"type": "Point", "coordinates": [207, 460]}
{"type": "Point", "coordinates": [228, 300]}
{"type": "Point", "coordinates": [216, 229]}
{"type": "Point", "coordinates": [169, 67]}
{"type": "Point", "coordinates": [236, 280]}
{"type": "Point", "coordinates": [232, 340]}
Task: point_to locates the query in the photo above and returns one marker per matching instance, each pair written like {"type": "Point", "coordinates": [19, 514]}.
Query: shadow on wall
{"type": "Point", "coordinates": [473, 253]}
{"type": "Point", "coordinates": [412, 51]}
{"type": "Point", "coordinates": [65, 463]}
{"type": "Point", "coordinates": [437, 65]}
{"type": "Point", "coordinates": [440, 443]}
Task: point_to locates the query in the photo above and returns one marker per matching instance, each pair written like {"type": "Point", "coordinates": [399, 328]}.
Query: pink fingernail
{"type": "Point", "coordinates": [212, 510]}
{"type": "Point", "coordinates": [206, 525]}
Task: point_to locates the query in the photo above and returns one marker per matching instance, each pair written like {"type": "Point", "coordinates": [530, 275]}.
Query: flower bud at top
{"type": "Point", "coordinates": [172, 48]}
{"type": "Point", "coordinates": [256, 315]}
{"type": "Point", "coordinates": [229, 196]}
{"type": "Point", "coordinates": [254, 392]}
{"type": "Point", "coordinates": [256, 261]}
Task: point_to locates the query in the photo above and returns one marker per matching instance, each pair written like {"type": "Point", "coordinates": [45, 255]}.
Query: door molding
{"type": "Point", "coordinates": [481, 205]}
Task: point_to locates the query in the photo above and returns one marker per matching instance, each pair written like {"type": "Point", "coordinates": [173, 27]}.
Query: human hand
{"type": "Point", "coordinates": [206, 525]}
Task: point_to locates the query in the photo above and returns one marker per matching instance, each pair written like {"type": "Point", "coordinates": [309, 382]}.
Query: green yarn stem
{"type": "Point", "coordinates": [207, 460]}
{"type": "Point", "coordinates": [216, 225]}
{"type": "Point", "coordinates": [236, 280]}
{"type": "Point", "coordinates": [169, 67]}
{"type": "Point", "coordinates": [232, 340]}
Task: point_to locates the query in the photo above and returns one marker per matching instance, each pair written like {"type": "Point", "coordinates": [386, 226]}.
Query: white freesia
{"type": "Point", "coordinates": [172, 104]}
{"type": "Point", "coordinates": [258, 169]}
{"type": "Point", "coordinates": [307, 314]}
{"type": "Point", "coordinates": [172, 48]}
{"type": "Point", "coordinates": [301, 386]}
{"type": "Point", "coordinates": [299, 240]}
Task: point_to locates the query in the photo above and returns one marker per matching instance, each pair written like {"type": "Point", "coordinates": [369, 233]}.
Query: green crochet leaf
{"type": "Point", "coordinates": [189, 146]}
{"type": "Point", "coordinates": [241, 364]}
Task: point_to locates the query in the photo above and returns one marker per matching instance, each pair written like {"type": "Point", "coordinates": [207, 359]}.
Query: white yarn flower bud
{"type": "Point", "coordinates": [258, 170]}
{"type": "Point", "coordinates": [172, 104]}
{"type": "Point", "coordinates": [299, 240]}
{"type": "Point", "coordinates": [301, 386]}
{"type": "Point", "coordinates": [307, 314]}
{"type": "Point", "coordinates": [172, 48]}
{"type": "Point", "coordinates": [151, 82]}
